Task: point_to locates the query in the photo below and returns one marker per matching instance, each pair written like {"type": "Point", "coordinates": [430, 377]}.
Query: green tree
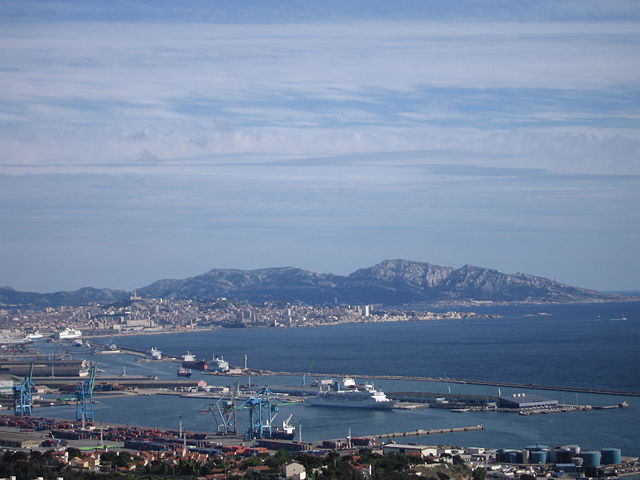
{"type": "Point", "coordinates": [280, 458]}
{"type": "Point", "coordinates": [480, 474]}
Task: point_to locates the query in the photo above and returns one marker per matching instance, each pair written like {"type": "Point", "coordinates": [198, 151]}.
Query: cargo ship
{"type": "Point", "coordinates": [273, 432]}
{"type": "Point", "coordinates": [285, 431]}
{"type": "Point", "coordinates": [347, 394]}
{"type": "Point", "coordinates": [189, 360]}
{"type": "Point", "coordinates": [184, 372]}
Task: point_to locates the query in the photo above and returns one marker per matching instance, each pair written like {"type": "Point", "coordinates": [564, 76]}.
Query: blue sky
{"type": "Point", "coordinates": [147, 140]}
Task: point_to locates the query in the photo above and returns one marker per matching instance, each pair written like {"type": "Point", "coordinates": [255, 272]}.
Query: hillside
{"type": "Point", "coordinates": [391, 282]}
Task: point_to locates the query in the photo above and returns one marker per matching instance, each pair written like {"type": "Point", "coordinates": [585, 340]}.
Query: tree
{"type": "Point", "coordinates": [74, 452]}
{"type": "Point", "coordinates": [479, 474]}
{"type": "Point", "coordinates": [280, 458]}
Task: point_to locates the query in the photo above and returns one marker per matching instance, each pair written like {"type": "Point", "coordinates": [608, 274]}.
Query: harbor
{"type": "Point", "coordinates": [130, 379]}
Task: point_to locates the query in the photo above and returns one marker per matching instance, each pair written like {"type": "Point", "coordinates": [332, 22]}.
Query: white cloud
{"type": "Point", "coordinates": [86, 96]}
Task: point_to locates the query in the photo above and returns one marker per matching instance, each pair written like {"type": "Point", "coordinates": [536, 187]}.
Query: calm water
{"type": "Point", "coordinates": [592, 345]}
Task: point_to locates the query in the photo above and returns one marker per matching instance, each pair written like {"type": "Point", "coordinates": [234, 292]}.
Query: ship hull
{"type": "Point", "coordinates": [321, 401]}
{"type": "Point", "coordinates": [278, 435]}
{"type": "Point", "coordinates": [195, 364]}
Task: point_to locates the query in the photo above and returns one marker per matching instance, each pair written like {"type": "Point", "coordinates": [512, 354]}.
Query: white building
{"type": "Point", "coordinates": [294, 471]}
{"type": "Point", "coordinates": [403, 449]}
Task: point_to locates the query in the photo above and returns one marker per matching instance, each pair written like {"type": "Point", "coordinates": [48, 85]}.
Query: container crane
{"type": "Point", "coordinates": [224, 412]}
{"type": "Point", "coordinates": [263, 409]}
{"type": "Point", "coordinates": [84, 397]}
{"type": "Point", "coordinates": [22, 398]}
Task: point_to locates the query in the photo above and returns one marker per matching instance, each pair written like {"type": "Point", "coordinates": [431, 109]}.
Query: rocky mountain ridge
{"type": "Point", "coordinates": [391, 282]}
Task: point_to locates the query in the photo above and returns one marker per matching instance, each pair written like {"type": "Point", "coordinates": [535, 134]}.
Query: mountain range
{"type": "Point", "coordinates": [391, 282]}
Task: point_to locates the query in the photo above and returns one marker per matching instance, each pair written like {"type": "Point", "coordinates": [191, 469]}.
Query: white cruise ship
{"type": "Point", "coordinates": [347, 394]}
{"type": "Point", "coordinates": [69, 333]}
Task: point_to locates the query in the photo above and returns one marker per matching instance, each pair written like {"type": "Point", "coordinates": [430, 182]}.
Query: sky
{"type": "Point", "coordinates": [160, 139]}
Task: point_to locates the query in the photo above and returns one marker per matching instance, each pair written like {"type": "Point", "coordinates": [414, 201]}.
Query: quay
{"type": "Point", "coordinates": [433, 431]}
{"type": "Point", "coordinates": [131, 381]}
{"type": "Point", "coordinates": [531, 386]}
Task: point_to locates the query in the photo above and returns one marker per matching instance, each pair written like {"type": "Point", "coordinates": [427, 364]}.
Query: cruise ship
{"type": "Point", "coordinates": [69, 333]}
{"type": "Point", "coordinates": [348, 394]}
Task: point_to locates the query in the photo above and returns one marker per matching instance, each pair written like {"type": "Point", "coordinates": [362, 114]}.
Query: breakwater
{"type": "Point", "coordinates": [531, 386]}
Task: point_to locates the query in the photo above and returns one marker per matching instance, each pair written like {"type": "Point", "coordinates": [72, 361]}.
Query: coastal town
{"type": "Point", "coordinates": [138, 315]}
{"type": "Point", "coordinates": [36, 447]}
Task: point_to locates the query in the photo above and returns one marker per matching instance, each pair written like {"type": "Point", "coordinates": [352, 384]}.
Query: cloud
{"type": "Point", "coordinates": [93, 94]}
{"type": "Point", "coordinates": [390, 133]}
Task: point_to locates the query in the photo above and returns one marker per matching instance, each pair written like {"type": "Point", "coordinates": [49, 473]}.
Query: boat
{"type": "Point", "coordinates": [69, 333]}
{"type": "Point", "coordinates": [347, 394]}
{"type": "Point", "coordinates": [285, 431]}
{"type": "Point", "coordinates": [155, 353]}
{"type": "Point", "coordinates": [184, 372]}
{"type": "Point", "coordinates": [34, 336]}
{"type": "Point", "coordinates": [189, 360]}
{"type": "Point", "coordinates": [219, 364]}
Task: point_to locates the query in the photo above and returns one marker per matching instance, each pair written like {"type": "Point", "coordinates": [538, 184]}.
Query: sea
{"type": "Point", "coordinates": [593, 345]}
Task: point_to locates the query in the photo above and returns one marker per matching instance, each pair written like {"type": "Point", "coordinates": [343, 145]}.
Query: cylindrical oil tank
{"type": "Point", "coordinates": [564, 455]}
{"type": "Point", "coordinates": [611, 456]}
{"type": "Point", "coordinates": [577, 461]}
{"type": "Point", "coordinates": [591, 459]}
{"type": "Point", "coordinates": [538, 456]}
{"type": "Point", "coordinates": [524, 456]}
{"type": "Point", "coordinates": [512, 456]}
{"type": "Point", "coordinates": [575, 449]}
{"type": "Point", "coordinates": [533, 448]}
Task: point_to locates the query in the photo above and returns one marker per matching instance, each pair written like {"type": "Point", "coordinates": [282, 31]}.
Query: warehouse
{"type": "Point", "coordinates": [410, 449]}
{"type": "Point", "coordinates": [525, 400]}
{"type": "Point", "coordinates": [19, 439]}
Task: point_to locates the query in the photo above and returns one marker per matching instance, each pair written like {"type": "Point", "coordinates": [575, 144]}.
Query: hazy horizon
{"type": "Point", "coordinates": [157, 139]}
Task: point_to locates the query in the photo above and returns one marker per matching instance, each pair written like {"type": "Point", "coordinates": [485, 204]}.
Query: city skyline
{"type": "Point", "coordinates": [158, 140]}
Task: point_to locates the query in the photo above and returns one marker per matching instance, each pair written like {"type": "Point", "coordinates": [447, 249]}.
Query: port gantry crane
{"type": "Point", "coordinates": [263, 409]}
{"type": "Point", "coordinates": [22, 398]}
{"type": "Point", "coordinates": [224, 412]}
{"type": "Point", "coordinates": [84, 397]}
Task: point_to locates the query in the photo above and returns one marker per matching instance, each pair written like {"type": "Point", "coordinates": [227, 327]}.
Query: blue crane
{"type": "Point", "coordinates": [84, 397]}
{"type": "Point", "coordinates": [22, 398]}
{"type": "Point", "coordinates": [263, 409]}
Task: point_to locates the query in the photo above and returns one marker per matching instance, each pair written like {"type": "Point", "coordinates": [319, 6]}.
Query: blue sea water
{"type": "Point", "coordinates": [587, 345]}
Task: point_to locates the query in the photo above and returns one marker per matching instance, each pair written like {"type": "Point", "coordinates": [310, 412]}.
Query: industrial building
{"type": "Point", "coordinates": [15, 439]}
{"type": "Point", "coordinates": [410, 449]}
{"type": "Point", "coordinates": [525, 400]}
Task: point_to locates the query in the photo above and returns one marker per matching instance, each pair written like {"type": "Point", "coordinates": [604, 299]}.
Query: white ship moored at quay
{"type": "Point", "coordinates": [348, 394]}
{"type": "Point", "coordinates": [69, 333]}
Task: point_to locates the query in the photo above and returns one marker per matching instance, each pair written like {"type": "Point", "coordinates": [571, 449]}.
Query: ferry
{"type": "Point", "coordinates": [69, 333]}
{"type": "Point", "coordinates": [219, 364]}
{"type": "Point", "coordinates": [34, 336]}
{"type": "Point", "coordinates": [155, 353]}
{"type": "Point", "coordinates": [348, 394]}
